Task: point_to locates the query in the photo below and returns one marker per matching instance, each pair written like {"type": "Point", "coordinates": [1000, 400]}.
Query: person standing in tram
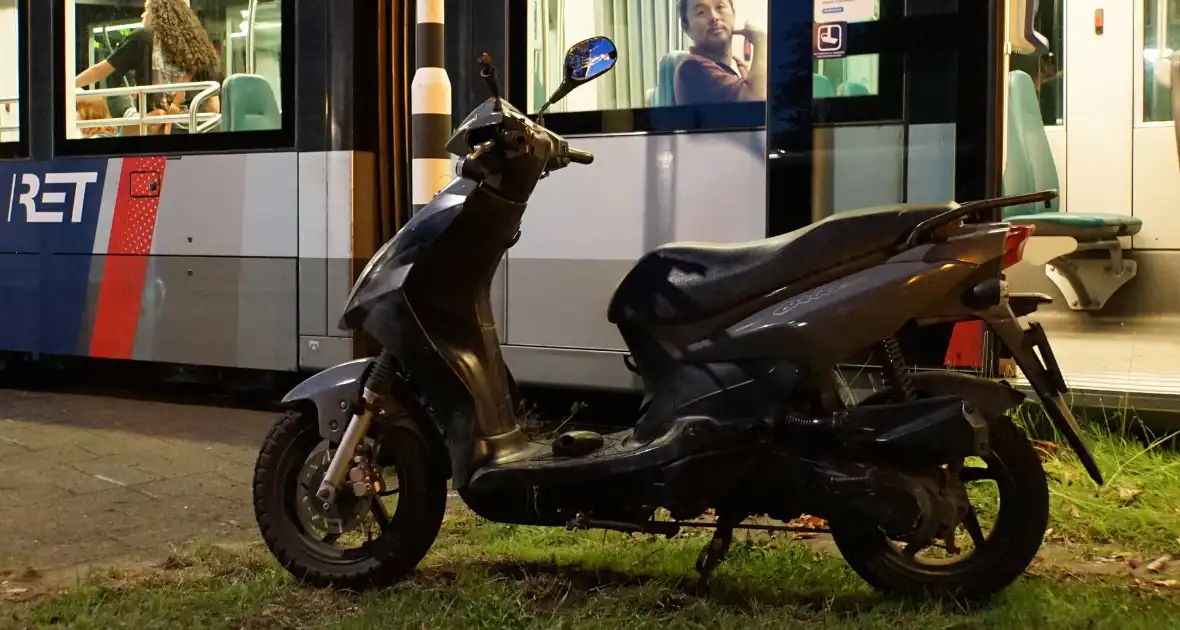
{"type": "Point", "coordinates": [171, 47]}
{"type": "Point", "coordinates": [711, 73]}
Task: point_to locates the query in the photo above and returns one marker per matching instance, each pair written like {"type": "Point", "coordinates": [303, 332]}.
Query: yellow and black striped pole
{"type": "Point", "coordinates": [430, 106]}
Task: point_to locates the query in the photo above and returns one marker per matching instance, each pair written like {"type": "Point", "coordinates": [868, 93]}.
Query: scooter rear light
{"type": "Point", "coordinates": [1014, 245]}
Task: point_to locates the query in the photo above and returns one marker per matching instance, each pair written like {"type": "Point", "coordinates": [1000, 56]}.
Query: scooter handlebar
{"type": "Point", "coordinates": [579, 157]}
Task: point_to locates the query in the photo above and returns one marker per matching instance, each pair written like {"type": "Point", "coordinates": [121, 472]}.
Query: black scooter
{"type": "Point", "coordinates": [737, 346]}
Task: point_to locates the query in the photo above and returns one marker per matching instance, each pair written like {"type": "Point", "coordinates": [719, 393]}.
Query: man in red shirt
{"type": "Point", "coordinates": [710, 73]}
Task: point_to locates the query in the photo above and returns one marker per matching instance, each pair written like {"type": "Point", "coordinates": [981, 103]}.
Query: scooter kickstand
{"type": "Point", "coordinates": [714, 553]}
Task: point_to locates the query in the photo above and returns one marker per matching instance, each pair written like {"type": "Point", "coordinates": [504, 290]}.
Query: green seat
{"type": "Point", "coordinates": [248, 104]}
{"type": "Point", "coordinates": [1031, 168]}
{"type": "Point", "coordinates": [664, 94]}
{"type": "Point", "coordinates": [821, 87]}
{"type": "Point", "coordinates": [852, 88]}
{"type": "Point", "coordinates": [1096, 269]}
{"type": "Point", "coordinates": [1081, 226]}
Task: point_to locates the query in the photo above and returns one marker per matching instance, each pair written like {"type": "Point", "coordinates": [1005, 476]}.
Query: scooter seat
{"type": "Point", "coordinates": [681, 282]}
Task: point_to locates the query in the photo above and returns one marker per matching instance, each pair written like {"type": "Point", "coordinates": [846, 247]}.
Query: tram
{"type": "Point", "coordinates": [234, 244]}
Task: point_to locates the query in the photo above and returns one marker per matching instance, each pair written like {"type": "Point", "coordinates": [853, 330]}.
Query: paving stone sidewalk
{"type": "Point", "coordinates": [88, 480]}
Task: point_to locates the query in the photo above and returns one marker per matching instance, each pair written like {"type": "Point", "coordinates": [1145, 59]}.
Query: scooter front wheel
{"type": "Point", "coordinates": [360, 542]}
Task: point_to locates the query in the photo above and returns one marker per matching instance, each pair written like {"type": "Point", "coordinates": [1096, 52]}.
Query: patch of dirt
{"type": "Point", "coordinates": [1087, 564]}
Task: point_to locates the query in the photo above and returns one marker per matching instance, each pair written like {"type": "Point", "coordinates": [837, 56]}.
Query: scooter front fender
{"type": "Point", "coordinates": [333, 393]}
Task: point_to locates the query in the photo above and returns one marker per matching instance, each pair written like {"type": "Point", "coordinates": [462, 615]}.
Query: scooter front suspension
{"type": "Point", "coordinates": [358, 426]}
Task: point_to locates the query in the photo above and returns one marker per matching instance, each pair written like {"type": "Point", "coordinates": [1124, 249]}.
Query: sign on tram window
{"type": "Point", "coordinates": [9, 72]}
{"type": "Point", "coordinates": [846, 10]}
{"type": "Point", "coordinates": [165, 68]}
{"type": "Point", "coordinates": [671, 52]}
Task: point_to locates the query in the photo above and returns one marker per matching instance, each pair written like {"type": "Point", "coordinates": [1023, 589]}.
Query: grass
{"type": "Point", "coordinates": [481, 575]}
{"type": "Point", "coordinates": [1137, 509]}
{"type": "Point", "coordinates": [496, 576]}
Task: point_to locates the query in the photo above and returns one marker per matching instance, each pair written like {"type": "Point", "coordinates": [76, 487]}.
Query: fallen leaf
{"type": "Point", "coordinates": [808, 520]}
{"type": "Point", "coordinates": [1126, 495]}
{"type": "Point", "coordinates": [1046, 449]}
{"type": "Point", "coordinates": [1157, 565]}
{"type": "Point", "coordinates": [15, 591]}
{"type": "Point", "coordinates": [804, 535]}
{"type": "Point", "coordinates": [1073, 512]}
{"type": "Point", "coordinates": [1167, 583]}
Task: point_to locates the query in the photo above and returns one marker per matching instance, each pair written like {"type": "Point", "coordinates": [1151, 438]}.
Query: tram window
{"type": "Point", "coordinates": [9, 73]}
{"type": "Point", "coordinates": [1047, 70]}
{"type": "Point", "coordinates": [213, 58]}
{"type": "Point", "coordinates": [672, 52]}
{"type": "Point", "coordinates": [1161, 37]}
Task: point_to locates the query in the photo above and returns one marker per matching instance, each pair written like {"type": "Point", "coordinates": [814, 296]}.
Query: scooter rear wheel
{"type": "Point", "coordinates": [1008, 549]}
{"type": "Point", "coordinates": [285, 481]}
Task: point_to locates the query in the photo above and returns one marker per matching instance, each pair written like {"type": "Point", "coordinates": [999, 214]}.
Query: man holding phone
{"type": "Point", "coordinates": [711, 73]}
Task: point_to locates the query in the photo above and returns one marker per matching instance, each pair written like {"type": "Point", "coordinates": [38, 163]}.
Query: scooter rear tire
{"type": "Point", "coordinates": [1012, 545]}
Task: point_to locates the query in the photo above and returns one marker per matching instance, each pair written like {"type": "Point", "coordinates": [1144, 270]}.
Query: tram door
{"type": "Point", "coordinates": [1116, 138]}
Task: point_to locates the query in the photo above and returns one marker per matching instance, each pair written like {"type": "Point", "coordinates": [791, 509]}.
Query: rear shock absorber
{"type": "Point", "coordinates": [899, 372]}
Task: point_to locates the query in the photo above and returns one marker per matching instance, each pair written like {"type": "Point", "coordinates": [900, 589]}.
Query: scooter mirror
{"type": "Point", "coordinates": [589, 59]}
{"type": "Point", "coordinates": [584, 61]}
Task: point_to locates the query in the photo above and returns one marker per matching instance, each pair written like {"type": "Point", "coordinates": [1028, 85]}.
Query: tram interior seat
{"type": "Point", "coordinates": [1086, 281]}
{"type": "Point", "coordinates": [821, 87]}
{"type": "Point", "coordinates": [249, 104]}
{"type": "Point", "coordinates": [664, 93]}
{"type": "Point", "coordinates": [852, 88]}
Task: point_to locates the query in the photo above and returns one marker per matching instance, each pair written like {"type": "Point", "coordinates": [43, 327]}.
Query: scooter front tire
{"type": "Point", "coordinates": [390, 557]}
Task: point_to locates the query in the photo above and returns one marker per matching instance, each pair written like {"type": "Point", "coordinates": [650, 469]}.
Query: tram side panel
{"type": "Point", "coordinates": [187, 260]}
{"type": "Point", "coordinates": [332, 216]}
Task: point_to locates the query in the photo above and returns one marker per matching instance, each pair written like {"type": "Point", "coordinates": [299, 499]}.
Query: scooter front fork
{"type": "Point", "coordinates": [379, 380]}
{"type": "Point", "coordinates": [354, 435]}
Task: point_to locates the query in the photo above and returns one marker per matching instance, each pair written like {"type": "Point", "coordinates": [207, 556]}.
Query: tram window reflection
{"type": "Point", "coordinates": [211, 58]}
{"type": "Point", "coordinates": [671, 52]}
{"type": "Point", "coordinates": [9, 72]}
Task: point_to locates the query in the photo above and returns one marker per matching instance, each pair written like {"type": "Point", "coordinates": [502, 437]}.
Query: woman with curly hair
{"type": "Point", "coordinates": [172, 47]}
